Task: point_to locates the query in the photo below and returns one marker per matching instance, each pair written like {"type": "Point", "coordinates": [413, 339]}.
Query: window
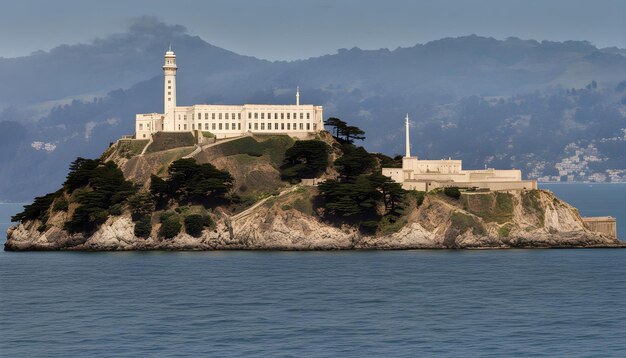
{"type": "Point", "coordinates": [301, 115]}
{"type": "Point", "coordinates": [169, 87]}
{"type": "Point", "coordinates": [169, 81]}
{"type": "Point", "coordinates": [269, 126]}
{"type": "Point", "coordinates": [185, 126]}
{"type": "Point", "coordinates": [275, 115]}
{"type": "Point", "coordinates": [308, 126]}
{"type": "Point", "coordinates": [282, 116]}
{"type": "Point", "coordinates": [169, 93]}
{"type": "Point", "coordinates": [294, 126]}
{"type": "Point", "coordinates": [140, 126]}
{"type": "Point", "coordinates": [219, 116]}
{"type": "Point", "coordinates": [256, 126]}
{"type": "Point", "coordinates": [249, 126]}
{"type": "Point", "coordinates": [169, 99]}
{"type": "Point", "coordinates": [226, 115]}
{"type": "Point", "coordinates": [288, 126]}
{"type": "Point", "coordinates": [220, 126]}
{"type": "Point", "coordinates": [282, 126]}
{"type": "Point", "coordinates": [256, 115]}
{"type": "Point", "coordinates": [276, 126]}
{"type": "Point", "coordinates": [288, 114]}
{"type": "Point", "coordinates": [269, 116]}
{"type": "Point", "coordinates": [206, 126]}
{"type": "Point", "coordinates": [295, 116]}
{"type": "Point", "coordinates": [249, 115]}
{"type": "Point", "coordinates": [301, 126]}
{"type": "Point", "coordinates": [184, 116]}
{"type": "Point", "coordinates": [206, 115]}
{"type": "Point", "coordinates": [308, 116]}
{"type": "Point", "coordinates": [179, 127]}
{"type": "Point", "coordinates": [193, 126]}
{"type": "Point", "coordinates": [262, 124]}
{"type": "Point", "coordinates": [239, 115]}
{"type": "Point", "coordinates": [238, 126]}
{"type": "Point", "coordinates": [199, 115]}
{"type": "Point", "coordinates": [213, 126]}
{"type": "Point", "coordinates": [226, 126]}
{"type": "Point", "coordinates": [212, 115]}
{"type": "Point", "coordinates": [262, 115]}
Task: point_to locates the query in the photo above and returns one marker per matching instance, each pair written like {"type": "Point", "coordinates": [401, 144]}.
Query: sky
{"type": "Point", "coordinates": [296, 29]}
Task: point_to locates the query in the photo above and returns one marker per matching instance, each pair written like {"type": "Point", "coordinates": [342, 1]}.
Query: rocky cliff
{"type": "Point", "coordinates": [279, 223]}
{"type": "Point", "coordinates": [287, 217]}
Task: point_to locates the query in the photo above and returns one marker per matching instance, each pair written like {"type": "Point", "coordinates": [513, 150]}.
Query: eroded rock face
{"type": "Point", "coordinates": [541, 221]}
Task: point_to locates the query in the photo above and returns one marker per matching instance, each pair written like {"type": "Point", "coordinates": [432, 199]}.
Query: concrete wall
{"type": "Point", "coordinates": [604, 224]}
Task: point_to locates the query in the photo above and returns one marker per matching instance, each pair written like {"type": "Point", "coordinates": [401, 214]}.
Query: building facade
{"type": "Point", "coordinates": [224, 121]}
{"type": "Point", "coordinates": [425, 175]}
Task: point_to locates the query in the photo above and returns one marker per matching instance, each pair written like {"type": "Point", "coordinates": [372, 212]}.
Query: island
{"type": "Point", "coordinates": [271, 177]}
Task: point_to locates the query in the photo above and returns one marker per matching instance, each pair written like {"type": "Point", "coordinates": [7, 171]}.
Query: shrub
{"type": "Point", "coordinates": [419, 197]}
{"type": "Point", "coordinates": [452, 191]}
{"type": "Point", "coordinates": [170, 226]}
{"type": "Point", "coordinates": [195, 223]}
{"type": "Point", "coordinates": [116, 210]}
{"type": "Point", "coordinates": [60, 205]}
{"type": "Point", "coordinates": [143, 227]}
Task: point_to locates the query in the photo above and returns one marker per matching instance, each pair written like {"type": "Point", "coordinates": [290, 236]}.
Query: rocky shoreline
{"type": "Point", "coordinates": [269, 227]}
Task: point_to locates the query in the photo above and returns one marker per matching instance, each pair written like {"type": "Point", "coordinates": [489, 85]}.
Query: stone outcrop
{"type": "Point", "coordinates": [524, 220]}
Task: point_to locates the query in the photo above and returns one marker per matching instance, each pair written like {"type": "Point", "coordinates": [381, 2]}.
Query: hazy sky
{"type": "Point", "coordinates": [291, 29]}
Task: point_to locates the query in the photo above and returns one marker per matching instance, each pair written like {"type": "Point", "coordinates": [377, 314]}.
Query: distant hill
{"type": "Point", "coordinates": [550, 108]}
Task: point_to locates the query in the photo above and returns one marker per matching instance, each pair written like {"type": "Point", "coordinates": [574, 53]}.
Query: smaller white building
{"type": "Point", "coordinates": [224, 121]}
{"type": "Point", "coordinates": [425, 175]}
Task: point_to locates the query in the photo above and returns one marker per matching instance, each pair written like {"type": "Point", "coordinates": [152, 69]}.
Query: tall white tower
{"type": "Point", "coordinates": [169, 89]}
{"type": "Point", "coordinates": [298, 96]}
{"type": "Point", "coordinates": [408, 142]}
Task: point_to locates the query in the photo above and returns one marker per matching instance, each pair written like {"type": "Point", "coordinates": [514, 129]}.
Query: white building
{"type": "Point", "coordinates": [425, 175]}
{"type": "Point", "coordinates": [223, 121]}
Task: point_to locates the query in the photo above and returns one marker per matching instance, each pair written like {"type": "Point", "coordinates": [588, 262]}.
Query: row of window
{"type": "Point", "coordinates": [256, 115]}
{"type": "Point", "coordinates": [251, 126]}
{"type": "Point", "coordinates": [282, 126]}
{"type": "Point", "coordinates": [276, 115]}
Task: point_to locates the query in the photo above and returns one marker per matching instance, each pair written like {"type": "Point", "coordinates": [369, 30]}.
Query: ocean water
{"type": "Point", "coordinates": [497, 303]}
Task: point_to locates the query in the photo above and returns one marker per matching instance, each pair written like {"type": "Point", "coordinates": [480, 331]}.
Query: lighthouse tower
{"type": "Point", "coordinates": [169, 89]}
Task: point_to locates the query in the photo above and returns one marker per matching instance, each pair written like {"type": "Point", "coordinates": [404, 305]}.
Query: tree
{"type": "Point", "coordinates": [353, 133]}
{"type": "Point", "coordinates": [336, 124]}
{"type": "Point", "coordinates": [355, 162]}
{"type": "Point", "coordinates": [141, 205]}
{"type": "Point", "coordinates": [305, 159]}
{"type": "Point", "coordinates": [192, 182]}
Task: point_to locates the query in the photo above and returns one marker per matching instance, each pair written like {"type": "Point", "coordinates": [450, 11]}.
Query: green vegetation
{"type": "Point", "coordinates": [61, 204]}
{"type": "Point", "coordinates": [305, 159]}
{"type": "Point", "coordinates": [38, 210]}
{"type": "Point", "coordinates": [169, 140]}
{"type": "Point", "coordinates": [190, 182]}
{"type": "Point", "coordinates": [272, 146]}
{"type": "Point", "coordinates": [492, 206]}
{"type": "Point", "coordinates": [343, 132]}
{"type": "Point", "coordinates": [505, 230]}
{"type": "Point", "coordinates": [208, 135]}
{"type": "Point", "coordinates": [170, 224]}
{"type": "Point", "coordinates": [361, 195]}
{"type": "Point", "coordinates": [354, 162]}
{"type": "Point", "coordinates": [195, 223]}
{"type": "Point", "coordinates": [532, 203]}
{"type": "Point", "coordinates": [108, 188]}
{"type": "Point", "coordinates": [143, 227]}
{"type": "Point", "coordinates": [452, 191]}
{"type": "Point", "coordinates": [418, 196]}
{"type": "Point", "coordinates": [463, 222]}
{"type": "Point", "coordinates": [130, 147]}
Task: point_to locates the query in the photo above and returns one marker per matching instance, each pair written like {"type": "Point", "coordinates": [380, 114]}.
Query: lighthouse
{"type": "Point", "coordinates": [169, 89]}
